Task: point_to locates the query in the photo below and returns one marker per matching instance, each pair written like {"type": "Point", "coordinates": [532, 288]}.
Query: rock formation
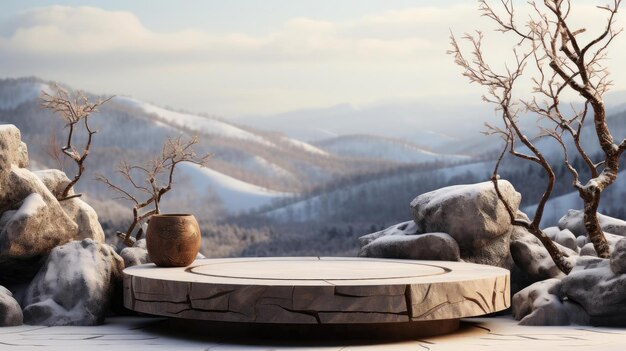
{"type": "Point", "coordinates": [32, 220]}
{"type": "Point", "coordinates": [75, 285]}
{"type": "Point", "coordinates": [468, 219]}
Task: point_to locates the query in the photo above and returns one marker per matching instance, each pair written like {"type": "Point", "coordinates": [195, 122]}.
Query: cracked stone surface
{"type": "Point", "coordinates": [317, 290]}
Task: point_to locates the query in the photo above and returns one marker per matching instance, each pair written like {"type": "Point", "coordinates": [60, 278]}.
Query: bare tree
{"type": "Point", "coordinates": [152, 180]}
{"type": "Point", "coordinates": [73, 108]}
{"type": "Point", "coordinates": [561, 61]}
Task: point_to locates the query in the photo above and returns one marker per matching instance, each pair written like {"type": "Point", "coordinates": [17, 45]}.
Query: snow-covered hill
{"type": "Point", "coordinates": [205, 125]}
{"type": "Point", "coordinates": [370, 146]}
{"type": "Point", "coordinates": [236, 196]}
{"type": "Point", "coordinates": [250, 167]}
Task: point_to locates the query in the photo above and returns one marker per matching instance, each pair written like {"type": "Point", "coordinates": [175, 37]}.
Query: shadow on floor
{"type": "Point", "coordinates": [305, 335]}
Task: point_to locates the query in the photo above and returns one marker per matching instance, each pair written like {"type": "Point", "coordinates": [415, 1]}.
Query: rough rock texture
{"type": "Point", "coordinates": [593, 293]}
{"type": "Point", "coordinates": [12, 150]}
{"type": "Point", "coordinates": [32, 221]}
{"type": "Point", "coordinates": [36, 222]}
{"type": "Point", "coordinates": [600, 291]}
{"type": "Point", "coordinates": [85, 217]}
{"type": "Point", "coordinates": [618, 257]}
{"type": "Point", "coordinates": [574, 221]}
{"type": "Point", "coordinates": [135, 255]}
{"type": "Point", "coordinates": [567, 239]}
{"type": "Point", "coordinates": [55, 180]}
{"type": "Point", "coordinates": [75, 285]}
{"type": "Point", "coordinates": [431, 246]}
{"type": "Point", "coordinates": [542, 304]}
{"type": "Point", "coordinates": [78, 210]}
{"type": "Point", "coordinates": [473, 216]}
{"type": "Point", "coordinates": [404, 228]}
{"type": "Point", "coordinates": [532, 257]}
{"type": "Point", "coordinates": [563, 237]}
{"type": "Point", "coordinates": [587, 248]}
{"type": "Point", "coordinates": [10, 311]}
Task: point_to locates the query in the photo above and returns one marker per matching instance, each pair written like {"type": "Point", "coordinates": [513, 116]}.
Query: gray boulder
{"type": "Point", "coordinates": [533, 259]}
{"type": "Point", "coordinates": [618, 257]}
{"type": "Point", "coordinates": [10, 311]}
{"type": "Point", "coordinates": [581, 241]}
{"type": "Point", "coordinates": [55, 180]}
{"type": "Point", "coordinates": [75, 286]}
{"type": "Point", "coordinates": [567, 239]}
{"type": "Point", "coordinates": [588, 249]}
{"type": "Point", "coordinates": [430, 246]}
{"type": "Point", "coordinates": [404, 228]}
{"type": "Point", "coordinates": [574, 221]}
{"type": "Point", "coordinates": [135, 255]}
{"type": "Point", "coordinates": [472, 215]}
{"type": "Point", "coordinates": [602, 293]}
{"type": "Point", "coordinates": [542, 304]}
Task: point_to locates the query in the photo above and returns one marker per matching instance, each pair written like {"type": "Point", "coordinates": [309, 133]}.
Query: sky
{"type": "Point", "coordinates": [256, 57]}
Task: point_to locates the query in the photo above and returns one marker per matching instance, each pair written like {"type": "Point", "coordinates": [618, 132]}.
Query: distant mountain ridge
{"type": "Point", "coordinates": [371, 146]}
{"type": "Point", "coordinates": [250, 168]}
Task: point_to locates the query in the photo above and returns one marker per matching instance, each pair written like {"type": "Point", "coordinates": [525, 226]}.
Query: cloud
{"type": "Point", "coordinates": [62, 30]}
{"type": "Point", "coordinates": [302, 62]}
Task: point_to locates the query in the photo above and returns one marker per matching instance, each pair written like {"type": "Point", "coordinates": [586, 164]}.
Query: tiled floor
{"type": "Point", "coordinates": [136, 334]}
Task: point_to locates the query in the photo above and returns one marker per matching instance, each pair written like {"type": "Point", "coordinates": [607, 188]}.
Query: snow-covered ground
{"type": "Point", "coordinates": [140, 333]}
{"type": "Point", "coordinates": [236, 195]}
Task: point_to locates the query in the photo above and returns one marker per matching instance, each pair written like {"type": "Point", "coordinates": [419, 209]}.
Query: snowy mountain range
{"type": "Point", "coordinates": [334, 164]}
{"type": "Point", "coordinates": [251, 167]}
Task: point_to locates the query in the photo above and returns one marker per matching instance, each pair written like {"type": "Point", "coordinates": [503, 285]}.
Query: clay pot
{"type": "Point", "coordinates": [173, 240]}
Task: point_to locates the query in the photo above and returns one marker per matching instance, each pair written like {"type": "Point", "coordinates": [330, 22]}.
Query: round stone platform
{"type": "Point", "coordinates": [319, 291]}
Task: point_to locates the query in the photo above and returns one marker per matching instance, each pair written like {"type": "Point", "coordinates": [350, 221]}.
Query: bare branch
{"type": "Point", "coordinates": [72, 108]}
{"type": "Point", "coordinates": [144, 179]}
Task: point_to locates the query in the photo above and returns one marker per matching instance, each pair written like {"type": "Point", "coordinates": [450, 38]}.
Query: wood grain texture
{"type": "Point", "coordinates": [293, 290]}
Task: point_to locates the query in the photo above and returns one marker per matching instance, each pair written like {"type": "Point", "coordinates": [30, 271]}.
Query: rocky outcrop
{"type": "Point", "coordinates": [594, 292]}
{"type": "Point", "coordinates": [532, 258]}
{"type": "Point", "coordinates": [542, 304]}
{"type": "Point", "coordinates": [32, 220]}
{"type": "Point", "coordinates": [75, 285]}
{"type": "Point", "coordinates": [587, 248]}
{"type": "Point", "coordinates": [12, 150]}
{"type": "Point", "coordinates": [10, 311]}
{"type": "Point", "coordinates": [430, 246]}
{"type": "Point", "coordinates": [618, 257]}
{"type": "Point", "coordinates": [574, 221]}
{"type": "Point", "coordinates": [404, 228]}
{"type": "Point", "coordinates": [472, 215]}
{"type": "Point", "coordinates": [600, 291]}
{"type": "Point", "coordinates": [465, 222]}
{"type": "Point", "coordinates": [563, 237]}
